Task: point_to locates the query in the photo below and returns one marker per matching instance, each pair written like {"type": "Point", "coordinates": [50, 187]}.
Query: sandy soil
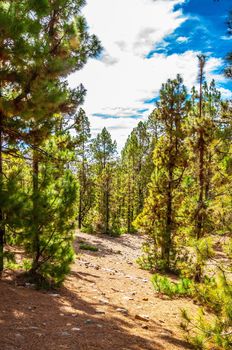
{"type": "Point", "coordinates": [107, 302]}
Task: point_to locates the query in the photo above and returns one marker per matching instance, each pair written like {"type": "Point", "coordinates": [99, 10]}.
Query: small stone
{"type": "Point", "coordinates": [18, 335]}
{"type": "Point", "coordinates": [88, 321]}
{"type": "Point", "coordinates": [65, 334]}
{"type": "Point", "coordinates": [145, 299]}
{"type": "Point", "coordinates": [145, 280]}
{"type": "Point", "coordinates": [123, 311]}
{"type": "Point", "coordinates": [145, 326]}
{"type": "Point", "coordinates": [100, 312]}
{"type": "Point", "coordinates": [61, 314]}
{"type": "Point", "coordinates": [75, 329]}
{"type": "Point", "coordinates": [142, 317]}
{"type": "Point", "coordinates": [99, 326]}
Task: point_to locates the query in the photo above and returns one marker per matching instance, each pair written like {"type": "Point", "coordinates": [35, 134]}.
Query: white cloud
{"type": "Point", "coordinates": [182, 39]}
{"type": "Point", "coordinates": [224, 37]}
{"type": "Point", "coordinates": [124, 78]}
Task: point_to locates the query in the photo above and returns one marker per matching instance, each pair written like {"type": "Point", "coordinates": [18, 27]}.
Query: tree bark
{"type": "Point", "coordinates": [36, 240]}
{"type": "Point", "coordinates": [201, 175]}
{"type": "Point", "coordinates": [168, 231]}
{"type": "Point", "coordinates": [2, 227]}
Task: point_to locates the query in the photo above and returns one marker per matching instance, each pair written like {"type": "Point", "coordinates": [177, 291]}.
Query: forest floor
{"type": "Point", "coordinates": [106, 303]}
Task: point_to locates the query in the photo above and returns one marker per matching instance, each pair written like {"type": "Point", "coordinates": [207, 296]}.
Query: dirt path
{"type": "Point", "coordinates": [107, 303]}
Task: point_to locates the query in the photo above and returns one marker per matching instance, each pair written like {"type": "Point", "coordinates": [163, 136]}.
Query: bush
{"type": "Point", "coordinates": [184, 287]}
{"type": "Point", "coordinates": [85, 246]}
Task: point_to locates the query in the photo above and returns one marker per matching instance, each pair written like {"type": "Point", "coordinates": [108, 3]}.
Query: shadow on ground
{"type": "Point", "coordinates": [35, 320]}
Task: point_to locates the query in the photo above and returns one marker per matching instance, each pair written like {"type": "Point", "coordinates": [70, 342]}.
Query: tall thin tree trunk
{"type": "Point", "coordinates": [36, 240]}
{"type": "Point", "coordinates": [201, 150]}
{"type": "Point", "coordinates": [166, 249]}
{"type": "Point", "coordinates": [80, 209]}
{"type": "Point", "coordinates": [129, 206]}
{"type": "Point", "coordinates": [201, 174]}
{"type": "Point", "coordinates": [2, 228]}
{"type": "Point", "coordinates": [107, 207]}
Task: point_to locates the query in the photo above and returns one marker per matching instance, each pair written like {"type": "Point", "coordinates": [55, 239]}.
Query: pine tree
{"type": "Point", "coordinates": [82, 127]}
{"type": "Point", "coordinates": [159, 217]}
{"type": "Point", "coordinates": [104, 150]}
{"type": "Point", "coordinates": [136, 172]}
{"type": "Point", "coordinates": [48, 46]}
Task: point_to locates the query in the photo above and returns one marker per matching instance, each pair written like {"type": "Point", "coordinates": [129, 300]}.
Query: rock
{"type": "Point", "coordinates": [145, 299]}
{"type": "Point", "coordinates": [100, 312]}
{"type": "Point", "coordinates": [99, 325]}
{"type": "Point", "coordinates": [122, 310]}
{"type": "Point", "coordinates": [145, 326]}
{"type": "Point", "coordinates": [19, 336]}
{"type": "Point", "coordinates": [88, 321]}
{"type": "Point", "coordinates": [142, 318]}
{"type": "Point", "coordinates": [65, 334]}
{"type": "Point", "coordinates": [75, 329]}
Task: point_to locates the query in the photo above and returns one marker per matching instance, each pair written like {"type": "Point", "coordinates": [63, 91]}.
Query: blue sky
{"type": "Point", "coordinates": [145, 43]}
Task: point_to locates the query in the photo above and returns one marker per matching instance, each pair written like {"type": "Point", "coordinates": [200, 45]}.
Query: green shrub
{"type": "Point", "coordinates": [85, 246]}
{"type": "Point", "coordinates": [184, 287]}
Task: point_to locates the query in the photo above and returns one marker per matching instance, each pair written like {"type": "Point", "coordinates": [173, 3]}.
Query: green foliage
{"type": "Point", "coordinates": [85, 246]}
{"type": "Point", "coordinates": [163, 284]}
{"type": "Point", "coordinates": [159, 218]}
{"type": "Point", "coordinates": [42, 43]}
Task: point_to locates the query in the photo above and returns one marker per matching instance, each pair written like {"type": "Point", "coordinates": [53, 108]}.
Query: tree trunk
{"type": "Point", "coordinates": [201, 175]}
{"type": "Point", "coordinates": [36, 240]}
{"type": "Point", "coordinates": [168, 231]}
{"type": "Point", "coordinates": [2, 228]}
{"type": "Point", "coordinates": [107, 196]}
{"type": "Point", "coordinates": [80, 209]}
{"type": "Point", "coordinates": [129, 206]}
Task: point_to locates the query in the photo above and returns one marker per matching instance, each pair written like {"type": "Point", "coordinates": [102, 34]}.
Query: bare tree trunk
{"type": "Point", "coordinates": [167, 241]}
{"type": "Point", "coordinates": [36, 240]}
{"type": "Point", "coordinates": [129, 206]}
{"type": "Point", "coordinates": [2, 228]}
{"type": "Point", "coordinates": [80, 209]}
{"type": "Point", "coordinates": [107, 207]}
{"type": "Point", "coordinates": [201, 150]}
{"type": "Point", "coordinates": [201, 174]}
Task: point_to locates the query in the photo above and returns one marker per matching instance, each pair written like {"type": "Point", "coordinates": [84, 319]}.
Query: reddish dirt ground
{"type": "Point", "coordinates": [106, 303]}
